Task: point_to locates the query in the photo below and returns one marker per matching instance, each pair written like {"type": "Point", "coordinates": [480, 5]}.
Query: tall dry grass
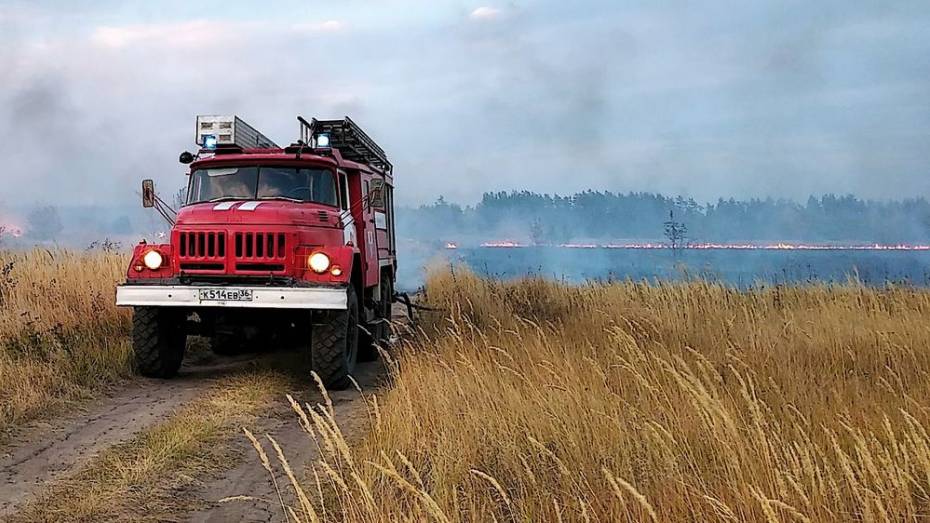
{"type": "Point", "coordinates": [535, 401]}
{"type": "Point", "coordinates": [61, 336]}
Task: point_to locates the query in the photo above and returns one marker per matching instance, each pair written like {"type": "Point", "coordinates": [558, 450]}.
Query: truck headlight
{"type": "Point", "coordinates": [152, 260]}
{"type": "Point", "coordinates": [318, 262]}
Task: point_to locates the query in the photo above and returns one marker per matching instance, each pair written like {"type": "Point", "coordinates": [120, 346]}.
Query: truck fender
{"type": "Point", "coordinates": [339, 256]}
{"type": "Point", "coordinates": [137, 269]}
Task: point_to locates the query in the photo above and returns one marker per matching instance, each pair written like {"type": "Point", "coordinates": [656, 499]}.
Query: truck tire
{"type": "Point", "coordinates": [334, 343]}
{"type": "Point", "coordinates": [158, 340]}
{"type": "Point", "coordinates": [380, 330]}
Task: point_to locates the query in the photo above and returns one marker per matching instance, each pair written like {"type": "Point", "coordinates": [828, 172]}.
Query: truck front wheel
{"type": "Point", "coordinates": [334, 343]}
{"type": "Point", "coordinates": [158, 340]}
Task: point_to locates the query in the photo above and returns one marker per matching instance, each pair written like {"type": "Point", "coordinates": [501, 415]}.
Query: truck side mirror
{"type": "Point", "coordinates": [148, 194]}
{"type": "Point", "coordinates": [376, 194]}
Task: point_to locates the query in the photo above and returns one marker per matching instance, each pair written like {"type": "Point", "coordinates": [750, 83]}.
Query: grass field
{"type": "Point", "coordinates": [534, 401]}
{"type": "Point", "coordinates": [537, 401]}
{"type": "Point", "coordinates": [61, 336]}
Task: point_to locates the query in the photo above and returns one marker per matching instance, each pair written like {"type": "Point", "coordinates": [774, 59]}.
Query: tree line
{"type": "Point", "coordinates": [608, 215]}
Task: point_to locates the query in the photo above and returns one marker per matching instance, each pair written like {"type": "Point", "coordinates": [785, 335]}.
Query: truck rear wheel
{"type": "Point", "coordinates": [334, 343]}
{"type": "Point", "coordinates": [158, 339]}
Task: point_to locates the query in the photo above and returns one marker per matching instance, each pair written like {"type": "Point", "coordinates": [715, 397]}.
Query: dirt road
{"type": "Point", "coordinates": [43, 454]}
{"type": "Point", "coordinates": [250, 479]}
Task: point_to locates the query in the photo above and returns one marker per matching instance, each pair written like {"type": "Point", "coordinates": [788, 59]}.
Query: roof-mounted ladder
{"type": "Point", "coordinates": [349, 138]}
{"type": "Point", "coordinates": [216, 131]}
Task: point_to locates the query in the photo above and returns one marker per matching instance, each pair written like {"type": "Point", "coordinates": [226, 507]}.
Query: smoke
{"type": "Point", "coordinates": [714, 100]}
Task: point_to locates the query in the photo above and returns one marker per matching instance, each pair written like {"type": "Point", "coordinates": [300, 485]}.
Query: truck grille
{"type": "Point", "coordinates": [202, 245]}
{"type": "Point", "coordinates": [260, 251]}
{"type": "Point", "coordinates": [207, 251]}
{"type": "Point", "coordinates": [202, 250]}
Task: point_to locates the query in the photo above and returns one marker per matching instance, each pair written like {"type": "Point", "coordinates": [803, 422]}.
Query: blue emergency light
{"type": "Point", "coordinates": [209, 141]}
{"type": "Point", "coordinates": [322, 140]}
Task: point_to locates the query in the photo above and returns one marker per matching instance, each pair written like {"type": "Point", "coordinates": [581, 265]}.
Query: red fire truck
{"type": "Point", "coordinates": [272, 246]}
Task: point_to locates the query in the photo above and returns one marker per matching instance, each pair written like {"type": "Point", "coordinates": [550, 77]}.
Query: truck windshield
{"type": "Point", "coordinates": [262, 183]}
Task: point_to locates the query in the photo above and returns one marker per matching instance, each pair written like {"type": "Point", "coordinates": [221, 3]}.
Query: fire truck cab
{"type": "Point", "coordinates": [273, 245]}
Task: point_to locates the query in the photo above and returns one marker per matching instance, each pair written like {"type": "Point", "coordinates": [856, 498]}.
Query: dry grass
{"type": "Point", "coordinates": [535, 401]}
{"type": "Point", "coordinates": [61, 336]}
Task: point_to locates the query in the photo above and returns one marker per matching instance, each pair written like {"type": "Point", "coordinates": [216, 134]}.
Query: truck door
{"type": "Point", "coordinates": [349, 229]}
{"type": "Point", "coordinates": [383, 218]}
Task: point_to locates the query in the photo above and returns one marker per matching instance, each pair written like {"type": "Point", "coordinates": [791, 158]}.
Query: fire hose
{"type": "Point", "coordinates": [403, 297]}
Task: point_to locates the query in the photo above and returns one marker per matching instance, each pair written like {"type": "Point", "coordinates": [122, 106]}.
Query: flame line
{"type": "Point", "coordinates": [718, 246]}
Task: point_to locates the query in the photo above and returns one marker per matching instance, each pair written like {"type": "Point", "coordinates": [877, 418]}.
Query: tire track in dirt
{"type": "Point", "coordinates": [41, 454]}
{"type": "Point", "coordinates": [250, 479]}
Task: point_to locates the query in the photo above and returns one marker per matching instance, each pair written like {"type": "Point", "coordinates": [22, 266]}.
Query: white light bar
{"type": "Point", "coordinates": [229, 130]}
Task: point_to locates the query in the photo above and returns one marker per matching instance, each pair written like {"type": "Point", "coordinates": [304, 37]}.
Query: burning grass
{"type": "Point", "coordinates": [536, 401]}
{"type": "Point", "coordinates": [61, 336]}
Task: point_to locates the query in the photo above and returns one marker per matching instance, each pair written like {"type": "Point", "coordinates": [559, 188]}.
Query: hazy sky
{"type": "Point", "coordinates": [705, 99]}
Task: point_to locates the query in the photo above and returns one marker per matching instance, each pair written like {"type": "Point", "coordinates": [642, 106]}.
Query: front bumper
{"type": "Point", "coordinates": [322, 298]}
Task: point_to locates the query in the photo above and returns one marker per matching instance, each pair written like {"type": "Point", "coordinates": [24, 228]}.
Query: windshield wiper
{"type": "Point", "coordinates": [284, 198]}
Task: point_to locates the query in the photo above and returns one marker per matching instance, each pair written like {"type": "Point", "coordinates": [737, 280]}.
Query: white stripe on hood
{"type": "Point", "coordinates": [249, 206]}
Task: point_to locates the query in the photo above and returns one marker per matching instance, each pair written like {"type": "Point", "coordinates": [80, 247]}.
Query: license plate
{"type": "Point", "coordinates": [225, 295]}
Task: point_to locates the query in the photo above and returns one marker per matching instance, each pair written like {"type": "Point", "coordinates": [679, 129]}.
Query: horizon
{"type": "Point", "coordinates": [526, 218]}
{"type": "Point", "coordinates": [134, 204]}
